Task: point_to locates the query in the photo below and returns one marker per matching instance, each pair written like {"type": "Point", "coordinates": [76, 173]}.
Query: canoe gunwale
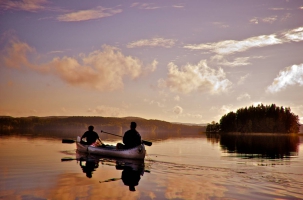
{"type": "Point", "coordinates": [137, 152]}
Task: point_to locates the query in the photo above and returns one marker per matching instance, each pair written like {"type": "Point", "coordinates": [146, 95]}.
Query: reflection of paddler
{"type": "Point", "coordinates": [131, 177]}
{"type": "Point", "coordinates": [89, 167]}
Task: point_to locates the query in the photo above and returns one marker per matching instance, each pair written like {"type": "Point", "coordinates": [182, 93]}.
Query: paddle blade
{"type": "Point", "coordinates": [68, 141]}
{"type": "Point", "coordinates": [67, 159]}
{"type": "Point", "coordinates": [147, 143]}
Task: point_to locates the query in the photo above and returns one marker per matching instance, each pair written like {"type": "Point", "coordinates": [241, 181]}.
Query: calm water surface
{"type": "Point", "coordinates": [194, 167]}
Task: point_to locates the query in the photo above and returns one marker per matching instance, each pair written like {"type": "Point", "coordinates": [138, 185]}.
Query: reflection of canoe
{"type": "Point", "coordinates": [111, 151]}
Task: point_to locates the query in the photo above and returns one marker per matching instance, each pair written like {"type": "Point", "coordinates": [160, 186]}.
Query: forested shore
{"type": "Point", "coordinates": [259, 119]}
{"type": "Point", "coordinates": [117, 125]}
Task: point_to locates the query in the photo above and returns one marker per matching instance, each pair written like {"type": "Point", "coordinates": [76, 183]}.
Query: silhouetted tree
{"type": "Point", "coordinates": [266, 119]}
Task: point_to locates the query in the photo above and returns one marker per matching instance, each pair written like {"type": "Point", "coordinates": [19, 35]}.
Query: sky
{"type": "Point", "coordinates": [172, 60]}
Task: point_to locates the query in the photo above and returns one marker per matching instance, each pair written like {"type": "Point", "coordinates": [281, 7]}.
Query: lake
{"type": "Point", "coordinates": [192, 166]}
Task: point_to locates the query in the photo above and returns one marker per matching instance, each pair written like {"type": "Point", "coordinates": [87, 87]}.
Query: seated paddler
{"type": "Point", "coordinates": [131, 138]}
{"type": "Point", "coordinates": [91, 136]}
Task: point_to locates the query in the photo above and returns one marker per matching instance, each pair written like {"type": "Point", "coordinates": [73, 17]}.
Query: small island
{"type": "Point", "coordinates": [258, 119]}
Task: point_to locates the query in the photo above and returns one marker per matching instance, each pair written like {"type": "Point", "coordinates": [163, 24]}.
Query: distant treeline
{"type": "Point", "coordinates": [262, 119]}
{"type": "Point", "coordinates": [117, 125]}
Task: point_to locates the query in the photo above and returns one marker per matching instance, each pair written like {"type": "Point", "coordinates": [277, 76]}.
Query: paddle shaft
{"type": "Point", "coordinates": [144, 142]}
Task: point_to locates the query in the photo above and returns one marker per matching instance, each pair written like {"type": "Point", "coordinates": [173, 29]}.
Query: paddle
{"type": "Point", "coordinates": [67, 159]}
{"type": "Point", "coordinates": [68, 141]}
{"type": "Point", "coordinates": [143, 141]}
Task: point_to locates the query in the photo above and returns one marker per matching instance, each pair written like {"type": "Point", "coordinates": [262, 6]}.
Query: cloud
{"type": "Point", "coordinates": [295, 35]}
{"type": "Point", "coordinates": [285, 17]}
{"type": "Point", "coordinates": [192, 78]}
{"type": "Point", "coordinates": [177, 98]}
{"type": "Point", "coordinates": [107, 111]}
{"type": "Point", "coordinates": [152, 102]}
{"type": "Point", "coordinates": [103, 70]}
{"type": "Point", "coordinates": [15, 54]}
{"type": "Point", "coordinates": [178, 110]}
{"type": "Point", "coordinates": [277, 8]}
{"type": "Point", "coordinates": [26, 5]}
{"type": "Point", "coordinates": [242, 79]}
{"type": "Point", "coordinates": [144, 6]}
{"type": "Point", "coordinates": [233, 46]}
{"type": "Point", "coordinates": [197, 116]}
{"type": "Point", "coordinates": [240, 61]}
{"type": "Point", "coordinates": [220, 24]}
{"type": "Point", "coordinates": [154, 42]}
{"type": "Point", "coordinates": [292, 75]}
{"type": "Point", "coordinates": [84, 15]}
{"type": "Point", "coordinates": [178, 6]}
{"type": "Point", "coordinates": [255, 104]}
{"type": "Point", "coordinates": [152, 67]}
{"type": "Point", "coordinates": [227, 47]}
{"type": "Point", "coordinates": [269, 20]}
{"type": "Point", "coordinates": [243, 96]}
{"type": "Point", "coordinates": [226, 109]}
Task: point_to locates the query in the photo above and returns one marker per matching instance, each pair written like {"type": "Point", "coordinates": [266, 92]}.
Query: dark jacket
{"type": "Point", "coordinates": [131, 138]}
{"type": "Point", "coordinates": [91, 137]}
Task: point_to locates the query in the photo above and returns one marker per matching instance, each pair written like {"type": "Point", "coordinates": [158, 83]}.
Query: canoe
{"type": "Point", "coordinates": [137, 152]}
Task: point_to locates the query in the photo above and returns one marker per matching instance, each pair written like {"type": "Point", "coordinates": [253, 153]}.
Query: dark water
{"type": "Point", "coordinates": [196, 166]}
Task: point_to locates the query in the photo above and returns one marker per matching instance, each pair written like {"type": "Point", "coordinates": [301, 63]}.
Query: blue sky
{"type": "Point", "coordinates": [172, 60]}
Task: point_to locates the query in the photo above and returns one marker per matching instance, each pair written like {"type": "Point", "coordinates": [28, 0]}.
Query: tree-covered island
{"type": "Point", "coordinates": [259, 119]}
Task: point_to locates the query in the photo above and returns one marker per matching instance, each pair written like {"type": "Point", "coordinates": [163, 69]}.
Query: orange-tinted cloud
{"type": "Point", "coordinates": [15, 54]}
{"type": "Point", "coordinates": [103, 70]}
{"type": "Point", "coordinates": [84, 15]}
{"type": "Point", "coordinates": [27, 5]}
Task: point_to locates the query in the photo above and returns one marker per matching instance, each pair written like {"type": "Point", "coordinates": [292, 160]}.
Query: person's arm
{"type": "Point", "coordinates": [125, 137]}
{"type": "Point", "coordinates": [83, 136]}
{"type": "Point", "coordinates": [100, 141]}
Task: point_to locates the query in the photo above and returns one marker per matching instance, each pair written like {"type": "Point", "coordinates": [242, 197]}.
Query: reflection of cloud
{"type": "Point", "coordinates": [290, 76]}
{"type": "Point", "coordinates": [155, 42]}
{"type": "Point", "coordinates": [178, 110]}
{"type": "Point", "coordinates": [191, 188]}
{"type": "Point", "coordinates": [83, 15]}
{"type": "Point", "coordinates": [26, 5]}
{"type": "Point", "coordinates": [243, 96]}
{"type": "Point", "coordinates": [102, 70]}
{"type": "Point", "coordinates": [198, 77]}
{"type": "Point", "coordinates": [232, 46]}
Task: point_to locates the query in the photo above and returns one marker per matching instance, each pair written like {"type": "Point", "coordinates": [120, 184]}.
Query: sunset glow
{"type": "Point", "coordinates": [178, 61]}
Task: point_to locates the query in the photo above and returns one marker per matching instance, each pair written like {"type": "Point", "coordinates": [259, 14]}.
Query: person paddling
{"type": "Point", "coordinates": [91, 136]}
{"type": "Point", "coordinates": [131, 138]}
